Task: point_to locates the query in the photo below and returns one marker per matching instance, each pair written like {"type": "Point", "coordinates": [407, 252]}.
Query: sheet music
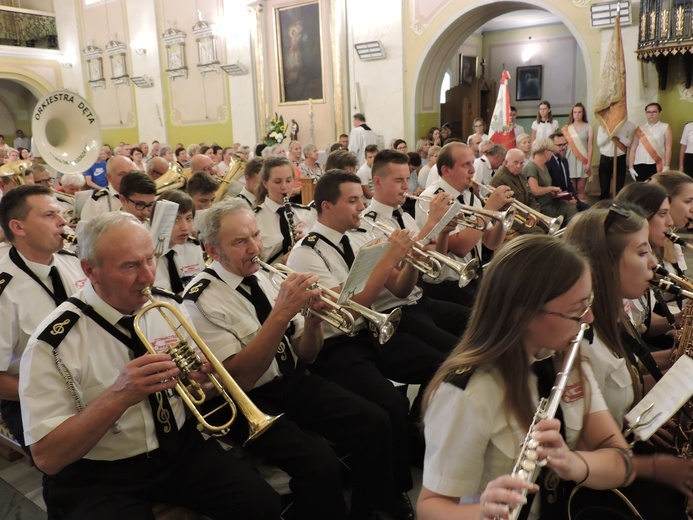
{"type": "Point", "coordinates": [455, 208]}
{"type": "Point", "coordinates": [162, 225]}
{"type": "Point", "coordinates": [363, 265]}
{"type": "Point", "coordinates": [668, 396]}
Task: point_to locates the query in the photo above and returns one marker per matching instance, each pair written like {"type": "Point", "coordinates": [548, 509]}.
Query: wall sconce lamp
{"type": "Point", "coordinates": [66, 64]}
{"type": "Point", "coordinates": [234, 69]}
{"type": "Point", "coordinates": [604, 14]}
{"type": "Point", "coordinates": [141, 51]}
{"type": "Point", "coordinates": [368, 51]}
{"type": "Point", "coordinates": [142, 81]}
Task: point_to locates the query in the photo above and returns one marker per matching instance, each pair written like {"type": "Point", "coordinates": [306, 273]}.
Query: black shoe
{"type": "Point", "coordinates": [402, 509]}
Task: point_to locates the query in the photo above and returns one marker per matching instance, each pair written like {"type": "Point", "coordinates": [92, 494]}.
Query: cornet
{"type": "Point", "coordinates": [434, 260]}
{"type": "Point", "coordinates": [473, 218]}
{"type": "Point", "coordinates": [382, 325]}
{"type": "Point", "coordinates": [190, 391]}
{"type": "Point", "coordinates": [528, 216]}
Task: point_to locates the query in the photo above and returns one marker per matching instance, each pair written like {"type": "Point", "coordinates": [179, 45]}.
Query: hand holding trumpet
{"type": "Point", "coordinates": [297, 292]}
{"type": "Point", "coordinates": [500, 199]}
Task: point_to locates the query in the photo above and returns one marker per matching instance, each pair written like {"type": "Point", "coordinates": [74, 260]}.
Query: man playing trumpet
{"type": "Point", "coordinates": [257, 330]}
{"type": "Point", "coordinates": [455, 164]}
{"type": "Point", "coordinates": [99, 415]}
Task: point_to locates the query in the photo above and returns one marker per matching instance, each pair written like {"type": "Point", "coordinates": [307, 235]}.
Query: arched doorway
{"type": "Point", "coordinates": [443, 46]}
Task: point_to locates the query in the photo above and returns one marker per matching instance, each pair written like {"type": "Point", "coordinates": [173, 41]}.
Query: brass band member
{"type": "Point", "coordinates": [265, 343]}
{"type": "Point", "coordinates": [137, 195]}
{"type": "Point", "coordinates": [615, 239]}
{"type": "Point", "coordinates": [455, 164]}
{"type": "Point", "coordinates": [117, 455]}
{"type": "Point", "coordinates": [252, 181]}
{"type": "Point", "coordinates": [481, 402]}
{"type": "Point", "coordinates": [281, 224]}
{"type": "Point", "coordinates": [107, 199]}
{"type": "Point", "coordinates": [36, 276]}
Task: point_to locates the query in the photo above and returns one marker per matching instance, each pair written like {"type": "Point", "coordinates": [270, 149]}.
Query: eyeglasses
{"type": "Point", "coordinates": [140, 206]}
{"type": "Point", "coordinates": [652, 111]}
{"type": "Point", "coordinates": [46, 182]}
{"type": "Point", "coordinates": [561, 145]}
{"type": "Point", "coordinates": [614, 210]}
{"type": "Point", "coordinates": [578, 319]}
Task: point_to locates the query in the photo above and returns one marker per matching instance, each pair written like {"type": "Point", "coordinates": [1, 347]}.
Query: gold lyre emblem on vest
{"type": "Point", "coordinates": [59, 328]}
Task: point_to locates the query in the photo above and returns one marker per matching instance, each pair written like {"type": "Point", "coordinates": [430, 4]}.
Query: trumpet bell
{"type": "Point", "coordinates": [384, 326]}
{"type": "Point", "coordinates": [66, 132]}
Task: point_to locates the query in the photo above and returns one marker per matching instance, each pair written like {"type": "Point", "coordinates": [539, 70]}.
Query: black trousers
{"type": "Point", "coordinates": [12, 415]}
{"type": "Point", "coordinates": [606, 171]}
{"type": "Point", "coordinates": [688, 163]}
{"type": "Point", "coordinates": [314, 410]}
{"type": "Point", "coordinates": [200, 476]}
{"type": "Point", "coordinates": [450, 291]}
{"type": "Point", "coordinates": [645, 171]}
{"type": "Point", "coordinates": [438, 323]}
{"type": "Point", "coordinates": [360, 364]}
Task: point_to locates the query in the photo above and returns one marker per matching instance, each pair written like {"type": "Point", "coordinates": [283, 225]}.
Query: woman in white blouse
{"type": "Point", "coordinates": [545, 125]}
{"type": "Point", "coordinates": [479, 405]}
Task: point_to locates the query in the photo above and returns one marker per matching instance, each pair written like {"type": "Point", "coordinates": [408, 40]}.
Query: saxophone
{"type": "Point", "coordinates": [527, 466]}
{"type": "Point", "coordinates": [683, 420]}
{"type": "Point", "coordinates": [289, 215]}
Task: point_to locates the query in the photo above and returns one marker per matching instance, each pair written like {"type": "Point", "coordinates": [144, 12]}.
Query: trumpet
{"type": "Point", "coordinates": [434, 261]}
{"type": "Point", "coordinates": [528, 216]}
{"type": "Point", "coordinates": [527, 466]}
{"type": "Point", "coordinates": [190, 391]}
{"type": "Point", "coordinates": [678, 240]}
{"type": "Point", "coordinates": [382, 325]}
{"type": "Point", "coordinates": [474, 218]}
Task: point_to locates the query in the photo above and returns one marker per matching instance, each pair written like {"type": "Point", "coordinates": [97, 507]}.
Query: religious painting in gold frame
{"type": "Point", "coordinates": [298, 33]}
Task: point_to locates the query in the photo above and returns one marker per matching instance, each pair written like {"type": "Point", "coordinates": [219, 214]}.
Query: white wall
{"type": "Point", "coordinates": [379, 91]}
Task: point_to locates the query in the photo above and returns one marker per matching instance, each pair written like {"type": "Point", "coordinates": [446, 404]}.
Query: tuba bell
{"type": "Point", "coordinates": [15, 171]}
{"type": "Point", "coordinates": [236, 169]}
{"type": "Point", "coordinates": [66, 132]}
{"type": "Point", "coordinates": [173, 179]}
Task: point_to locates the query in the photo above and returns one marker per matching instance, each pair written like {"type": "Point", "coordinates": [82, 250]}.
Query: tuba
{"type": "Point", "coordinates": [173, 179]}
{"type": "Point", "coordinates": [66, 132]}
{"type": "Point", "coordinates": [190, 391]}
{"type": "Point", "coordinates": [236, 169]}
{"type": "Point", "coordinates": [15, 171]}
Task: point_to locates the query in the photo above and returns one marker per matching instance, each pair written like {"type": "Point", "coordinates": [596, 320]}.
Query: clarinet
{"type": "Point", "coordinates": [527, 466]}
{"type": "Point", "coordinates": [289, 214]}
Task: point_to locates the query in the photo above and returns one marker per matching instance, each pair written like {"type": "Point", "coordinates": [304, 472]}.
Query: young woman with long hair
{"type": "Point", "coordinates": [580, 136]}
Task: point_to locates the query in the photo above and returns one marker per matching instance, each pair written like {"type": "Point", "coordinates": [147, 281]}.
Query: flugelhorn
{"type": "Point", "coordinates": [235, 170]}
{"type": "Point", "coordinates": [678, 240]}
{"type": "Point", "coordinates": [429, 266]}
{"type": "Point", "coordinates": [190, 391]}
{"type": "Point", "coordinates": [527, 466]}
{"type": "Point", "coordinates": [382, 325]}
{"type": "Point", "coordinates": [434, 261]}
{"type": "Point", "coordinates": [528, 216]}
{"type": "Point", "coordinates": [471, 217]}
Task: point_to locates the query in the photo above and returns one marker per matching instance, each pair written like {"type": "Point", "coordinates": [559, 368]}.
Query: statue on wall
{"type": "Point", "coordinates": [294, 130]}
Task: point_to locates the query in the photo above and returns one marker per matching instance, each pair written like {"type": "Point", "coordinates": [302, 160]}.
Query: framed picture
{"type": "Point", "coordinates": [299, 52]}
{"type": "Point", "coordinates": [528, 83]}
{"type": "Point", "coordinates": [467, 69]}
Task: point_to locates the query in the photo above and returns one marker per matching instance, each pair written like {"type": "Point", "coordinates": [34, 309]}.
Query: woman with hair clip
{"type": "Point", "coordinates": [281, 223]}
{"type": "Point", "coordinates": [184, 257]}
{"type": "Point", "coordinates": [653, 320]}
{"type": "Point", "coordinates": [616, 238]}
{"type": "Point", "coordinates": [480, 404]}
